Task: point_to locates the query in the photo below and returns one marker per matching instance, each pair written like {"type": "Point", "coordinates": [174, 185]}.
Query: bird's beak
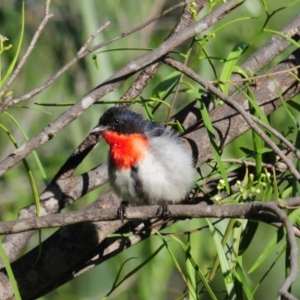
{"type": "Point", "coordinates": [99, 129]}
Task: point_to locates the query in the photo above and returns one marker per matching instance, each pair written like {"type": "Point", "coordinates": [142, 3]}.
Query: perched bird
{"type": "Point", "coordinates": [147, 164]}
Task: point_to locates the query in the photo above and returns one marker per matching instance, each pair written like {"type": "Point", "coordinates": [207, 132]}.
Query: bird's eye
{"type": "Point", "coordinates": [117, 121]}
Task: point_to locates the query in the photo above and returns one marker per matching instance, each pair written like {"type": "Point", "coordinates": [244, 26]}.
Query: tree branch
{"type": "Point", "coordinates": [93, 236]}
{"type": "Point", "coordinates": [133, 213]}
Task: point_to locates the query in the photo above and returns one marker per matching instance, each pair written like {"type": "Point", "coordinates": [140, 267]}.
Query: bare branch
{"type": "Point", "coordinates": [133, 213]}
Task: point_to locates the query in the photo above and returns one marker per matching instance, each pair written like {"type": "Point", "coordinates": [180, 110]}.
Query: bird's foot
{"type": "Point", "coordinates": [122, 209]}
{"type": "Point", "coordinates": [163, 210]}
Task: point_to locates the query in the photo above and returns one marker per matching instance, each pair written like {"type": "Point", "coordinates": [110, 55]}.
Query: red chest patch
{"type": "Point", "coordinates": [126, 149]}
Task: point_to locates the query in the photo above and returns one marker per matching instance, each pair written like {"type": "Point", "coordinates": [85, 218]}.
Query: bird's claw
{"type": "Point", "coordinates": [163, 210]}
{"type": "Point", "coordinates": [122, 209]}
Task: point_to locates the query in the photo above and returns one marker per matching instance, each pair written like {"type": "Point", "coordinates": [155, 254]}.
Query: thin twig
{"type": "Point", "coordinates": [281, 167]}
{"type": "Point", "coordinates": [253, 78]}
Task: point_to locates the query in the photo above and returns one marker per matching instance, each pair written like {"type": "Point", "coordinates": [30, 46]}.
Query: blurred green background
{"type": "Point", "coordinates": [73, 22]}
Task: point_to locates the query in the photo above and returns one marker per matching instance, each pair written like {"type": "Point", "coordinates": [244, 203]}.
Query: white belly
{"type": "Point", "coordinates": [164, 174]}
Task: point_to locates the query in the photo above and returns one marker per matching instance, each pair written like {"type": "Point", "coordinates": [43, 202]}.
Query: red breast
{"type": "Point", "coordinates": [126, 149]}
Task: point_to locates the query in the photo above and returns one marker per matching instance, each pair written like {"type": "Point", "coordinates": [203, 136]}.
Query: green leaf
{"type": "Point", "coordinates": [228, 279]}
{"type": "Point", "coordinates": [194, 268]}
{"type": "Point", "coordinates": [191, 271]}
{"type": "Point", "coordinates": [274, 242]}
{"type": "Point", "coordinates": [288, 38]}
{"type": "Point", "coordinates": [294, 104]}
{"type": "Point", "coordinates": [13, 63]}
{"type": "Point", "coordinates": [247, 235]}
{"type": "Point", "coordinates": [237, 231]}
{"type": "Point", "coordinates": [116, 284]}
{"type": "Point", "coordinates": [148, 110]}
{"type": "Point", "coordinates": [279, 253]}
{"type": "Point", "coordinates": [286, 193]}
{"type": "Point", "coordinates": [229, 65]}
{"type": "Point", "coordinates": [256, 139]}
{"type": "Point", "coordinates": [215, 148]}
{"type": "Point", "coordinates": [283, 102]}
{"type": "Point", "coordinates": [29, 172]}
{"type": "Point", "coordinates": [177, 265]}
{"type": "Point", "coordinates": [36, 157]}
{"type": "Point", "coordinates": [268, 249]}
{"type": "Point", "coordinates": [223, 243]}
{"type": "Point", "coordinates": [160, 90]}
{"type": "Point", "coordinates": [239, 274]}
{"type": "Point", "coordinates": [258, 110]}
{"type": "Point", "coordinates": [10, 273]}
{"type": "Point", "coordinates": [241, 71]}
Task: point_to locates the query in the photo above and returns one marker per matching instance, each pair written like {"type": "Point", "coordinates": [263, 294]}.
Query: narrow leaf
{"type": "Point", "coordinates": [223, 262]}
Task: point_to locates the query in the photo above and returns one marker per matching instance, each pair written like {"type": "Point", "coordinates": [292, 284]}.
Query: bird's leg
{"type": "Point", "coordinates": [122, 209]}
{"type": "Point", "coordinates": [163, 209]}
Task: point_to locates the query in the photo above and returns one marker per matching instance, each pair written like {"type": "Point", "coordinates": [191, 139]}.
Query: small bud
{"type": "Point", "coordinates": [3, 38]}
{"type": "Point", "coordinates": [216, 198]}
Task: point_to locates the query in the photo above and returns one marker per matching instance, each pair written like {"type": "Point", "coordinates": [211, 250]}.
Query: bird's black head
{"type": "Point", "coordinates": [121, 120]}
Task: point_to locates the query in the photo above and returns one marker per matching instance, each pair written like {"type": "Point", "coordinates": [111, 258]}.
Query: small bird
{"type": "Point", "coordinates": [147, 164]}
